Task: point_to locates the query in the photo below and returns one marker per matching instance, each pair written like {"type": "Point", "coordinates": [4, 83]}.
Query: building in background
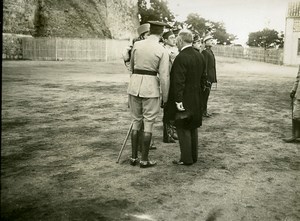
{"type": "Point", "coordinates": [292, 35]}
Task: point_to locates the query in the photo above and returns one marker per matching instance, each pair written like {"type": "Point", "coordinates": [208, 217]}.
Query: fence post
{"type": "Point", "coordinates": [55, 49]}
{"type": "Point", "coordinates": [106, 50]}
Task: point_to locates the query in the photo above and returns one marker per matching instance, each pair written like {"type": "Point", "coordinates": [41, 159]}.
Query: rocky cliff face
{"type": "Point", "coordinates": [71, 18]}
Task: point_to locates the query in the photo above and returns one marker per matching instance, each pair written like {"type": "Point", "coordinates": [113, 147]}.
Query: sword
{"type": "Point", "coordinates": [124, 143]}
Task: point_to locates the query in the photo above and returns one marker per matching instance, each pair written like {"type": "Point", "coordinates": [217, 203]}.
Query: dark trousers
{"type": "Point", "coordinates": [205, 98]}
{"type": "Point", "coordinates": [188, 142]}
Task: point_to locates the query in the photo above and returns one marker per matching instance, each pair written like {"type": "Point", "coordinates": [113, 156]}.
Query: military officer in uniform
{"type": "Point", "coordinates": [295, 95]}
{"type": "Point", "coordinates": [210, 71]}
{"type": "Point", "coordinates": [143, 32]}
{"type": "Point", "coordinates": [197, 43]}
{"type": "Point", "coordinates": [169, 131]}
{"type": "Point", "coordinates": [150, 75]}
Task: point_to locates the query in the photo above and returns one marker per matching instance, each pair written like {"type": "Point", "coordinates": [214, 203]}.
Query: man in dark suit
{"type": "Point", "coordinates": [187, 81]}
{"type": "Point", "coordinates": [210, 71]}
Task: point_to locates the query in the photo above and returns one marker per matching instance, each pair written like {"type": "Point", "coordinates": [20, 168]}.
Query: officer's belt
{"type": "Point", "coordinates": [144, 72]}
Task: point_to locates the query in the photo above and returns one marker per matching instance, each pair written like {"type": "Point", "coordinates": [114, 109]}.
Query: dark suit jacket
{"type": "Point", "coordinates": [210, 65]}
{"type": "Point", "coordinates": [187, 79]}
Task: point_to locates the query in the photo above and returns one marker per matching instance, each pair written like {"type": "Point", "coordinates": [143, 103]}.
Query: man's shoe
{"type": "Point", "coordinates": [146, 164]}
{"type": "Point", "coordinates": [174, 136]}
{"type": "Point", "coordinates": [177, 162]}
{"type": "Point", "coordinates": [169, 139]}
{"type": "Point", "coordinates": [152, 147]}
{"type": "Point", "coordinates": [206, 115]}
{"type": "Point", "coordinates": [290, 140]}
{"type": "Point", "coordinates": [134, 161]}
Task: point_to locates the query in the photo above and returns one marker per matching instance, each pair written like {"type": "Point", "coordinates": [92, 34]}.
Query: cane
{"type": "Point", "coordinates": [292, 105]}
{"type": "Point", "coordinates": [124, 143]}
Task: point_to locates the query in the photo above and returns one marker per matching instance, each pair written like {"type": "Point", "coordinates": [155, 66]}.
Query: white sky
{"type": "Point", "coordinates": [239, 16]}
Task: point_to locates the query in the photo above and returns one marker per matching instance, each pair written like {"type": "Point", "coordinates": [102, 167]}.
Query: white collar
{"type": "Point", "coordinates": [186, 47]}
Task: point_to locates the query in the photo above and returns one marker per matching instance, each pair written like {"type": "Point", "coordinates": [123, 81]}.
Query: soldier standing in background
{"type": "Point", "coordinates": [295, 96]}
{"type": "Point", "coordinates": [143, 32]}
{"type": "Point", "coordinates": [197, 43]}
{"type": "Point", "coordinates": [210, 71]}
{"type": "Point", "coordinates": [149, 59]}
{"type": "Point", "coordinates": [169, 131]}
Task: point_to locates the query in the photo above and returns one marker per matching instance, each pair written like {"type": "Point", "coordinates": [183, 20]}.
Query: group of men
{"type": "Point", "coordinates": [175, 74]}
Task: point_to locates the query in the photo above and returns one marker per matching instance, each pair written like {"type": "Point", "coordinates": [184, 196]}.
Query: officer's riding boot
{"type": "Point", "coordinates": [295, 129]}
{"type": "Point", "coordinates": [145, 151]}
{"type": "Point", "coordinates": [152, 145]}
{"type": "Point", "coordinates": [140, 140]}
{"type": "Point", "coordinates": [134, 147]}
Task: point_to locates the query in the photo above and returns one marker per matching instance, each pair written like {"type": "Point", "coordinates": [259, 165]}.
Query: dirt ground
{"type": "Point", "coordinates": [63, 124]}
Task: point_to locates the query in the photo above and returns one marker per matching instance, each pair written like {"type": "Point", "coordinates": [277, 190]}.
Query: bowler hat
{"type": "Point", "coordinates": [208, 37]}
{"type": "Point", "coordinates": [143, 28]}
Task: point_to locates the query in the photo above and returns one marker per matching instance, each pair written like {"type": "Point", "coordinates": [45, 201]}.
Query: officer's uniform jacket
{"type": "Point", "coordinates": [149, 55]}
{"type": "Point", "coordinates": [296, 85]}
{"type": "Point", "coordinates": [173, 52]}
{"type": "Point", "coordinates": [210, 65]}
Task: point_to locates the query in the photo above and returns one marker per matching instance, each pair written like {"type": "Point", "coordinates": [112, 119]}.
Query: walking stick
{"type": "Point", "coordinates": [292, 105]}
{"type": "Point", "coordinates": [124, 143]}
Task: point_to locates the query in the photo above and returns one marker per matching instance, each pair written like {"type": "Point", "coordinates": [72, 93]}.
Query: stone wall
{"type": "Point", "coordinates": [105, 19]}
{"type": "Point", "coordinates": [18, 16]}
{"type": "Point", "coordinates": [71, 18]}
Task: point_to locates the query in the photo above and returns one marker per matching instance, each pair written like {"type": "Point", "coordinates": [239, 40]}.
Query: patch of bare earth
{"type": "Point", "coordinates": [63, 124]}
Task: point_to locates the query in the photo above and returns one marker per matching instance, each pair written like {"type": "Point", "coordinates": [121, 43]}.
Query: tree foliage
{"type": "Point", "coordinates": [204, 27]}
{"type": "Point", "coordinates": [266, 38]}
{"type": "Point", "coordinates": [158, 10]}
{"type": "Point", "coordinates": [197, 23]}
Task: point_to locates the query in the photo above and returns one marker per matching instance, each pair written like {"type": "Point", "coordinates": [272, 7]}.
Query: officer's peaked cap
{"type": "Point", "coordinates": [143, 28]}
{"type": "Point", "coordinates": [208, 37]}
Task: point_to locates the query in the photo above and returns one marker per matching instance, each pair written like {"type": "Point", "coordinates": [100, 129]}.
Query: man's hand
{"type": "Point", "coordinates": [208, 84]}
{"type": "Point", "coordinates": [180, 106]}
{"type": "Point", "coordinates": [162, 104]}
{"type": "Point", "coordinates": [292, 94]}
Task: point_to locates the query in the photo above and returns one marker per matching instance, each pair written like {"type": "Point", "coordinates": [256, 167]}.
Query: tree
{"type": "Point", "coordinates": [221, 34]}
{"type": "Point", "coordinates": [203, 27]}
{"type": "Point", "coordinates": [266, 38]}
{"type": "Point", "coordinates": [158, 10]}
{"type": "Point", "coordinates": [198, 23]}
